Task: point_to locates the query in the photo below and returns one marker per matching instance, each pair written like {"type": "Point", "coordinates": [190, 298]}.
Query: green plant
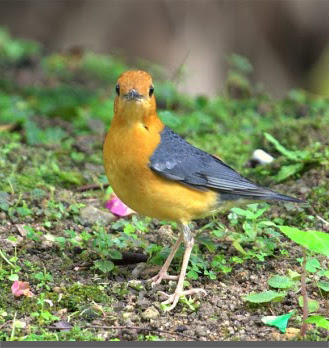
{"type": "Point", "coordinates": [43, 315]}
{"type": "Point", "coordinates": [44, 278]}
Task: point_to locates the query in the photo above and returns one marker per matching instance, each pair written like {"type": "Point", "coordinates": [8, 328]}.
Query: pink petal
{"type": "Point", "coordinates": [15, 288]}
{"type": "Point", "coordinates": [20, 288]}
{"type": "Point", "coordinates": [117, 207]}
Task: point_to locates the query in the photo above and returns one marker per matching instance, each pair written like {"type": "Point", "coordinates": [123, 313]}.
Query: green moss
{"type": "Point", "coordinates": [78, 296]}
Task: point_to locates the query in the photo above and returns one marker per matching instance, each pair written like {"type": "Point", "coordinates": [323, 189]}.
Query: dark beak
{"type": "Point", "coordinates": [133, 95]}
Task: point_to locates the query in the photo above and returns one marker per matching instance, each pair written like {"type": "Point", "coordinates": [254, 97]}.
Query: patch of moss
{"type": "Point", "coordinates": [77, 296]}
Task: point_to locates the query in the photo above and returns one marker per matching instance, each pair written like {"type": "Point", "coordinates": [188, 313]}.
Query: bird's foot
{"type": "Point", "coordinates": [161, 275]}
{"type": "Point", "coordinates": [173, 298]}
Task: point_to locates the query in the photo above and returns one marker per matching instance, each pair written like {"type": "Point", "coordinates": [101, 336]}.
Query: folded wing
{"type": "Point", "coordinates": [175, 159]}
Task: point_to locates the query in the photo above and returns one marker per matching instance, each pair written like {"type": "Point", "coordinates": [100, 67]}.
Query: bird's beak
{"type": "Point", "coordinates": [133, 95]}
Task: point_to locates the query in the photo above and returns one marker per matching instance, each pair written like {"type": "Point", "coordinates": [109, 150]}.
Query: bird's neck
{"type": "Point", "coordinates": [149, 120]}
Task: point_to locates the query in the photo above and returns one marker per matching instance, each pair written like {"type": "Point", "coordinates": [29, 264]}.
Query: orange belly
{"type": "Point", "coordinates": [126, 159]}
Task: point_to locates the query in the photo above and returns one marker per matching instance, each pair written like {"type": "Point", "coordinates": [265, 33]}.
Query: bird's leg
{"type": "Point", "coordinates": [173, 299]}
{"type": "Point", "coordinates": [163, 272]}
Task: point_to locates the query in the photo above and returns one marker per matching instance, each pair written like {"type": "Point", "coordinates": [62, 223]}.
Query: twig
{"type": "Point", "coordinates": [5, 323]}
{"type": "Point", "coordinates": [322, 219]}
{"type": "Point", "coordinates": [304, 327]}
{"type": "Point", "coordinates": [91, 187]}
{"type": "Point", "coordinates": [4, 257]}
{"type": "Point", "coordinates": [128, 327]}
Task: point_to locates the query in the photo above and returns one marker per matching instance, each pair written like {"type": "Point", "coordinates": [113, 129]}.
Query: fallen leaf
{"type": "Point", "coordinates": [20, 288]}
{"type": "Point", "coordinates": [117, 207]}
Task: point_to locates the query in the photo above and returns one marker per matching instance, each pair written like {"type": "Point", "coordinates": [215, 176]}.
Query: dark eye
{"type": "Point", "coordinates": [151, 91]}
{"type": "Point", "coordinates": [117, 89]}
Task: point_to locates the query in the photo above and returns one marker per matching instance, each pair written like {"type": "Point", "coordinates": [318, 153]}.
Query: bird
{"type": "Point", "coordinates": [156, 173]}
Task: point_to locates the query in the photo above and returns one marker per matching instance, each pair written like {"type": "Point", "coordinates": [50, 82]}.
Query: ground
{"type": "Point", "coordinates": [88, 269]}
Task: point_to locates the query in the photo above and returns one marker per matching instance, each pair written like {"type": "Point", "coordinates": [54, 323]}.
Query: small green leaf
{"type": "Point", "coordinates": [192, 274]}
{"type": "Point", "coordinates": [292, 155]}
{"type": "Point", "coordinates": [265, 296]}
{"type": "Point", "coordinates": [239, 248]}
{"type": "Point", "coordinates": [293, 274]}
{"type": "Point", "coordinates": [115, 254]}
{"type": "Point", "coordinates": [208, 243]}
{"type": "Point", "coordinates": [104, 266]}
{"type": "Point", "coordinates": [323, 285]}
{"type": "Point", "coordinates": [249, 215]}
{"type": "Point", "coordinates": [39, 276]}
{"type": "Point", "coordinates": [13, 277]}
{"type": "Point", "coordinates": [280, 282]}
{"type": "Point", "coordinates": [313, 240]}
{"type": "Point", "coordinates": [312, 265]}
{"type": "Point", "coordinates": [287, 171]}
{"type": "Point", "coordinates": [280, 321]}
{"type": "Point", "coordinates": [319, 321]}
{"type": "Point", "coordinates": [313, 305]}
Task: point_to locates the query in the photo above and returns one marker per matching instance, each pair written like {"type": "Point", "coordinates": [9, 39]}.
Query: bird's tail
{"type": "Point", "coordinates": [274, 196]}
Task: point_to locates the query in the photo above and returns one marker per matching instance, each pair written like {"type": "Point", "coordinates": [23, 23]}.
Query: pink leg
{"type": "Point", "coordinates": [173, 299]}
{"type": "Point", "coordinates": [163, 272]}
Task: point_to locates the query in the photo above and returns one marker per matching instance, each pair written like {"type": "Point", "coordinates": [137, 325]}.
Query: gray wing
{"type": "Point", "coordinates": [175, 159]}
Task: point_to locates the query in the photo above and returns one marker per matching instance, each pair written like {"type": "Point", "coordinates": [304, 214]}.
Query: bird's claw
{"type": "Point", "coordinates": [161, 275]}
{"type": "Point", "coordinates": [174, 298]}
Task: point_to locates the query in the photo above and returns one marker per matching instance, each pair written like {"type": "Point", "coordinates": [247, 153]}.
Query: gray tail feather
{"type": "Point", "coordinates": [279, 197]}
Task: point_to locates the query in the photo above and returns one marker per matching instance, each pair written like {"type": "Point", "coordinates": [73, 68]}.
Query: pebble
{"type": "Point", "coordinates": [150, 313]}
{"type": "Point", "coordinates": [262, 157]}
{"type": "Point", "coordinates": [139, 269]}
{"type": "Point", "coordinates": [201, 330]}
{"type": "Point", "coordinates": [91, 215]}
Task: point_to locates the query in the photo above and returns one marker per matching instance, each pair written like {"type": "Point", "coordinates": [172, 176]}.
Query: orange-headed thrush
{"type": "Point", "coordinates": [157, 173]}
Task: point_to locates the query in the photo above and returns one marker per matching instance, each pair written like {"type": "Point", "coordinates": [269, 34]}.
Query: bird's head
{"type": "Point", "coordinates": [135, 98]}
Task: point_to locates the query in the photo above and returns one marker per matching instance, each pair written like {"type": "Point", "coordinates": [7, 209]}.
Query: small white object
{"type": "Point", "coordinates": [262, 157]}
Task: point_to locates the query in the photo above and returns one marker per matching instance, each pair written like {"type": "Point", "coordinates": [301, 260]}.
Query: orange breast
{"type": "Point", "coordinates": [127, 151]}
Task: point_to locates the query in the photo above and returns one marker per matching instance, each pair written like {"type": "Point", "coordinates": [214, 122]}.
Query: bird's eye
{"type": "Point", "coordinates": [151, 91]}
{"type": "Point", "coordinates": [117, 89]}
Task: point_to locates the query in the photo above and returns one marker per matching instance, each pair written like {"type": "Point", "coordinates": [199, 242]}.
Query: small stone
{"type": "Point", "coordinates": [181, 328]}
{"type": "Point", "coordinates": [206, 310]}
{"type": "Point", "coordinates": [150, 313]}
{"type": "Point", "coordinates": [91, 215]}
{"type": "Point", "coordinates": [262, 157]}
{"type": "Point", "coordinates": [136, 272]}
{"type": "Point", "coordinates": [201, 331]}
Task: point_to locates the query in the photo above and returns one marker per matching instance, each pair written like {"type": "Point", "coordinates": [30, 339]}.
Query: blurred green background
{"type": "Point", "coordinates": [287, 41]}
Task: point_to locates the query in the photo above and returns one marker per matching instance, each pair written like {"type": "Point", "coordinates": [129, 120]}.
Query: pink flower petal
{"type": "Point", "coordinates": [117, 207]}
{"type": "Point", "coordinates": [20, 288]}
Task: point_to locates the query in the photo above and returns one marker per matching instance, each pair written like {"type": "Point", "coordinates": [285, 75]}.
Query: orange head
{"type": "Point", "coordinates": [135, 98]}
